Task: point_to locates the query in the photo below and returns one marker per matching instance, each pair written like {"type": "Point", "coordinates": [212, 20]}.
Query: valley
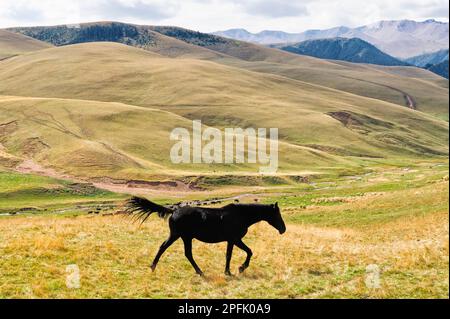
{"type": "Point", "coordinates": [85, 119]}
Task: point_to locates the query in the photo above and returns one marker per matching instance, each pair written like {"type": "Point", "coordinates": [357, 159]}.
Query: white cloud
{"type": "Point", "coordinates": [50, 12]}
{"type": "Point", "coordinates": [212, 15]}
{"type": "Point", "coordinates": [139, 9]}
{"type": "Point", "coordinates": [273, 9]}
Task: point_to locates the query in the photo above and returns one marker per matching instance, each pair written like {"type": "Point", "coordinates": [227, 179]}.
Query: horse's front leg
{"type": "Point", "coordinates": [172, 238]}
{"type": "Point", "coordinates": [229, 254]}
{"type": "Point", "coordinates": [249, 252]}
{"type": "Point", "coordinates": [188, 254]}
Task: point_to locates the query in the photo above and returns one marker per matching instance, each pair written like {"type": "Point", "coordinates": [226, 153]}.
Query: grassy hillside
{"type": "Point", "coordinates": [92, 139]}
{"type": "Point", "coordinates": [178, 42]}
{"type": "Point", "coordinates": [34, 194]}
{"type": "Point", "coordinates": [320, 127]}
{"type": "Point", "coordinates": [415, 73]}
{"type": "Point", "coordinates": [363, 80]}
{"type": "Point", "coordinates": [429, 91]}
{"type": "Point", "coordinates": [13, 44]}
{"type": "Point", "coordinates": [129, 34]}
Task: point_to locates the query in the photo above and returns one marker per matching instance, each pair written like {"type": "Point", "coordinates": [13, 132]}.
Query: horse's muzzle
{"type": "Point", "coordinates": [282, 231]}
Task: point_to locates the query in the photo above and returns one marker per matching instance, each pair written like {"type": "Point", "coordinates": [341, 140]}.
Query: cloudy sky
{"type": "Point", "coordinates": [213, 15]}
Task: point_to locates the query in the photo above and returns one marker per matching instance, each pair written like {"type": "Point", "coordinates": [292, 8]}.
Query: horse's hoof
{"type": "Point", "coordinates": [201, 274]}
{"type": "Point", "coordinates": [241, 269]}
{"type": "Point", "coordinates": [153, 267]}
{"type": "Point", "coordinates": [228, 273]}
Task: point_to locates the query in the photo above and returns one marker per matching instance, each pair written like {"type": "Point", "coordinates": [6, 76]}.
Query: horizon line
{"type": "Point", "coordinates": [224, 30]}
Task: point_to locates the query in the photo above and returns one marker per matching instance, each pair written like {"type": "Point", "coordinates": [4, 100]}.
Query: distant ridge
{"type": "Point", "coordinates": [399, 38]}
{"type": "Point", "coordinates": [351, 50]}
{"type": "Point", "coordinates": [428, 59]}
{"type": "Point", "coordinates": [436, 62]}
{"type": "Point", "coordinates": [440, 68]}
{"type": "Point", "coordinates": [108, 31]}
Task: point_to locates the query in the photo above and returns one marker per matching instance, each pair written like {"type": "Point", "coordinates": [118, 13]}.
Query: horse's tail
{"type": "Point", "coordinates": [142, 208]}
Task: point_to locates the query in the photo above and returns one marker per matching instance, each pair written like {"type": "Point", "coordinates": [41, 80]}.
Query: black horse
{"type": "Point", "coordinates": [211, 225]}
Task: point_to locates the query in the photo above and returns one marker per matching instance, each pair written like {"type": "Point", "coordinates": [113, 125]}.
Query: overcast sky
{"type": "Point", "coordinates": [213, 15]}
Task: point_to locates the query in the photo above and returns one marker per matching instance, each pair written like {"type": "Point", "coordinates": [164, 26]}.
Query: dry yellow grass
{"type": "Point", "coordinates": [13, 44]}
{"type": "Point", "coordinates": [307, 262]}
{"type": "Point", "coordinates": [97, 139]}
{"type": "Point", "coordinates": [399, 228]}
{"type": "Point", "coordinates": [132, 139]}
{"type": "Point", "coordinates": [429, 90]}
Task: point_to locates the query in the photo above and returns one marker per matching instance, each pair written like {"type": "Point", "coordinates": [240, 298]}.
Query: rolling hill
{"type": "Point", "coordinates": [106, 109]}
{"type": "Point", "coordinates": [428, 91]}
{"type": "Point", "coordinates": [13, 44]}
{"type": "Point", "coordinates": [351, 50]}
{"type": "Point", "coordinates": [134, 35]}
{"type": "Point", "coordinates": [113, 141]}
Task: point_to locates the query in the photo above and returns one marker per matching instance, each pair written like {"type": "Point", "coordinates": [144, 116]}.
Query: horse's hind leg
{"type": "Point", "coordinates": [229, 254]}
{"type": "Point", "coordinates": [249, 252]}
{"type": "Point", "coordinates": [188, 254]}
{"type": "Point", "coordinates": [172, 238]}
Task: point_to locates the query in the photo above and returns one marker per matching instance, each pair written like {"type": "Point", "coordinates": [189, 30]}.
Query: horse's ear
{"type": "Point", "coordinates": [276, 204]}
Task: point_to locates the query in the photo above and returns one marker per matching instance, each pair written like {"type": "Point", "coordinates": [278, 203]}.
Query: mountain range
{"type": "Point", "coordinates": [424, 60]}
{"type": "Point", "coordinates": [399, 38]}
{"type": "Point", "coordinates": [439, 68]}
{"type": "Point", "coordinates": [351, 50]}
{"type": "Point", "coordinates": [436, 62]}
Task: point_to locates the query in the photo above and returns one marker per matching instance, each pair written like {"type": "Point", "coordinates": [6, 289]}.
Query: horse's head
{"type": "Point", "coordinates": [274, 219]}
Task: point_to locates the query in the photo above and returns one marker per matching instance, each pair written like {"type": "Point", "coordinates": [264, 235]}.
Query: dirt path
{"type": "Point", "coordinates": [118, 186]}
{"type": "Point", "coordinates": [133, 187]}
{"type": "Point", "coordinates": [31, 167]}
{"type": "Point", "coordinates": [8, 57]}
{"type": "Point", "coordinates": [410, 102]}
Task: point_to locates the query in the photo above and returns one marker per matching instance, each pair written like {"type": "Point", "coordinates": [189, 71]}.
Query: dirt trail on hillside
{"type": "Point", "coordinates": [8, 57]}
{"type": "Point", "coordinates": [31, 167]}
{"type": "Point", "coordinates": [410, 102]}
{"type": "Point", "coordinates": [136, 187]}
{"type": "Point", "coordinates": [133, 187]}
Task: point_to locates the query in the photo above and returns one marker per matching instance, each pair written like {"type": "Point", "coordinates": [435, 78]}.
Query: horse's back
{"type": "Point", "coordinates": [206, 224]}
{"type": "Point", "coordinates": [197, 216]}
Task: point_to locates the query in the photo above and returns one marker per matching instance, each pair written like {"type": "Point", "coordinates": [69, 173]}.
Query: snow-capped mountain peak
{"type": "Point", "coordinates": [399, 38]}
